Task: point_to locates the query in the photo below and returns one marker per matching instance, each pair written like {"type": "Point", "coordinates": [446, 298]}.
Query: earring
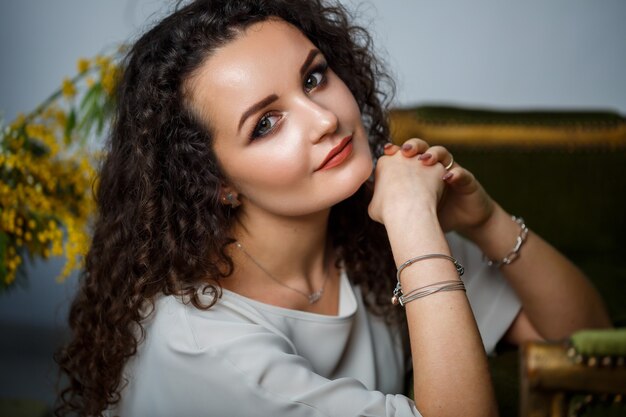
{"type": "Point", "coordinates": [232, 200]}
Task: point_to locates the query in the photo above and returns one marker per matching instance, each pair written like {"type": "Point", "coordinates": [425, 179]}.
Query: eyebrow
{"type": "Point", "coordinates": [256, 107]}
{"type": "Point", "coordinates": [273, 97]}
{"type": "Point", "coordinates": [307, 62]}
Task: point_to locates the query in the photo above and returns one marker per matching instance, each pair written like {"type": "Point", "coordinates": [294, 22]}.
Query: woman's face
{"type": "Point", "coordinates": [287, 130]}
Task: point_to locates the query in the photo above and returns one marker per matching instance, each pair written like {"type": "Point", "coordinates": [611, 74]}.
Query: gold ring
{"type": "Point", "coordinates": [451, 163]}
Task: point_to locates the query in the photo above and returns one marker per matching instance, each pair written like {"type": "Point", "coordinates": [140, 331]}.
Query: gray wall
{"type": "Point", "coordinates": [513, 54]}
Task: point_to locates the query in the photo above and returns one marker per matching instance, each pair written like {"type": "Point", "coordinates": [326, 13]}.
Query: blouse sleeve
{"type": "Point", "coordinates": [494, 303]}
{"type": "Point", "coordinates": [250, 371]}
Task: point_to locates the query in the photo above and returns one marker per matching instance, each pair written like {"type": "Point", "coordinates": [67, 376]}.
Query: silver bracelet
{"type": "Point", "coordinates": [397, 292]}
{"type": "Point", "coordinates": [459, 268]}
{"type": "Point", "coordinates": [514, 253]}
{"type": "Point", "coordinates": [428, 290]}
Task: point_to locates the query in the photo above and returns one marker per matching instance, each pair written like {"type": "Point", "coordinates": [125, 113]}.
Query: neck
{"type": "Point", "coordinates": [292, 249]}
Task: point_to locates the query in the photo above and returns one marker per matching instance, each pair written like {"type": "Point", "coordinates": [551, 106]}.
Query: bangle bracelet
{"type": "Point", "coordinates": [428, 290]}
{"type": "Point", "coordinates": [398, 296]}
{"type": "Point", "coordinates": [514, 253]}
{"type": "Point", "coordinates": [459, 268]}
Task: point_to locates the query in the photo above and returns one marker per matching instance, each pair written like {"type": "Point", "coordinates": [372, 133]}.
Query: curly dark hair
{"type": "Point", "coordinates": [160, 227]}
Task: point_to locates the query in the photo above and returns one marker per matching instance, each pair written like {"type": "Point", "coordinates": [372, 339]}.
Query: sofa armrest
{"type": "Point", "coordinates": [558, 380]}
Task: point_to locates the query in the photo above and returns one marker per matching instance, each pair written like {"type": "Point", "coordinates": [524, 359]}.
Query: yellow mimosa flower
{"type": "Point", "coordinates": [68, 88]}
{"type": "Point", "coordinates": [102, 61]}
{"type": "Point", "coordinates": [83, 65]}
{"type": "Point", "coordinates": [46, 191]}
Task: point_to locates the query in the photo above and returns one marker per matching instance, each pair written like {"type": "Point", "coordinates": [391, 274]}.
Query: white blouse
{"type": "Point", "coordinates": [246, 358]}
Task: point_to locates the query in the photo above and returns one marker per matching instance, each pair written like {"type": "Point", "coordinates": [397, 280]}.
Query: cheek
{"type": "Point", "coordinates": [271, 166]}
{"type": "Point", "coordinates": [346, 107]}
{"type": "Point", "coordinates": [342, 100]}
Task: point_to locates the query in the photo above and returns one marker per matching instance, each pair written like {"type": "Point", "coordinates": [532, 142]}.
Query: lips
{"type": "Point", "coordinates": [338, 154]}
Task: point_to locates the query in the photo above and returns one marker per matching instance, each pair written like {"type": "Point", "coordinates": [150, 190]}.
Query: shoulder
{"type": "Point", "coordinates": [180, 326]}
{"type": "Point", "coordinates": [191, 358]}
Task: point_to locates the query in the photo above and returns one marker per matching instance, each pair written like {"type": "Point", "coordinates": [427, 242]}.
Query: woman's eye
{"type": "Point", "coordinates": [264, 126]}
{"type": "Point", "coordinates": [314, 79]}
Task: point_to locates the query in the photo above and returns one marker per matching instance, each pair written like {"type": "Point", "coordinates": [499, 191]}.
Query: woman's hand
{"type": "Point", "coordinates": [464, 205]}
{"type": "Point", "coordinates": [405, 186]}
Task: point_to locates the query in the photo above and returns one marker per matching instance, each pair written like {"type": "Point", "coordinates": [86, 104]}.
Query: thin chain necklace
{"type": "Point", "coordinates": [312, 297]}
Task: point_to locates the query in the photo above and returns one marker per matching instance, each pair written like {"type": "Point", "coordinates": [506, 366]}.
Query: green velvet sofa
{"type": "Point", "coordinates": [564, 172]}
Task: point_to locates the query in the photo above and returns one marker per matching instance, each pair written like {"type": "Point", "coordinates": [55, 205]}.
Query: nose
{"type": "Point", "coordinates": [320, 120]}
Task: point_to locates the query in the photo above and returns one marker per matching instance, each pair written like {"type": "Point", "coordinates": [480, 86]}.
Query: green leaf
{"type": "Point", "coordinates": [94, 91]}
{"type": "Point", "coordinates": [69, 126]}
{"type": "Point", "coordinates": [90, 111]}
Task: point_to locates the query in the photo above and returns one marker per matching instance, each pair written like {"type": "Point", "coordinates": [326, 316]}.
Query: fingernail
{"type": "Point", "coordinates": [388, 145]}
{"type": "Point", "coordinates": [424, 157]}
{"type": "Point", "coordinates": [407, 146]}
{"type": "Point", "coordinates": [447, 176]}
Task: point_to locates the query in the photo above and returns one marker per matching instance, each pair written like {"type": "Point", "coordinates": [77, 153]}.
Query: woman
{"type": "Point", "coordinates": [243, 258]}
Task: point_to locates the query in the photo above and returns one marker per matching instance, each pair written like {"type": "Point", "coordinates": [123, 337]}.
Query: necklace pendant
{"type": "Point", "coordinates": [314, 297]}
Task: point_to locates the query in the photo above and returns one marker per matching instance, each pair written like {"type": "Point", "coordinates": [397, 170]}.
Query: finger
{"type": "Point", "coordinates": [459, 177]}
{"type": "Point", "coordinates": [390, 149]}
{"type": "Point", "coordinates": [414, 146]}
{"type": "Point", "coordinates": [436, 154]}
